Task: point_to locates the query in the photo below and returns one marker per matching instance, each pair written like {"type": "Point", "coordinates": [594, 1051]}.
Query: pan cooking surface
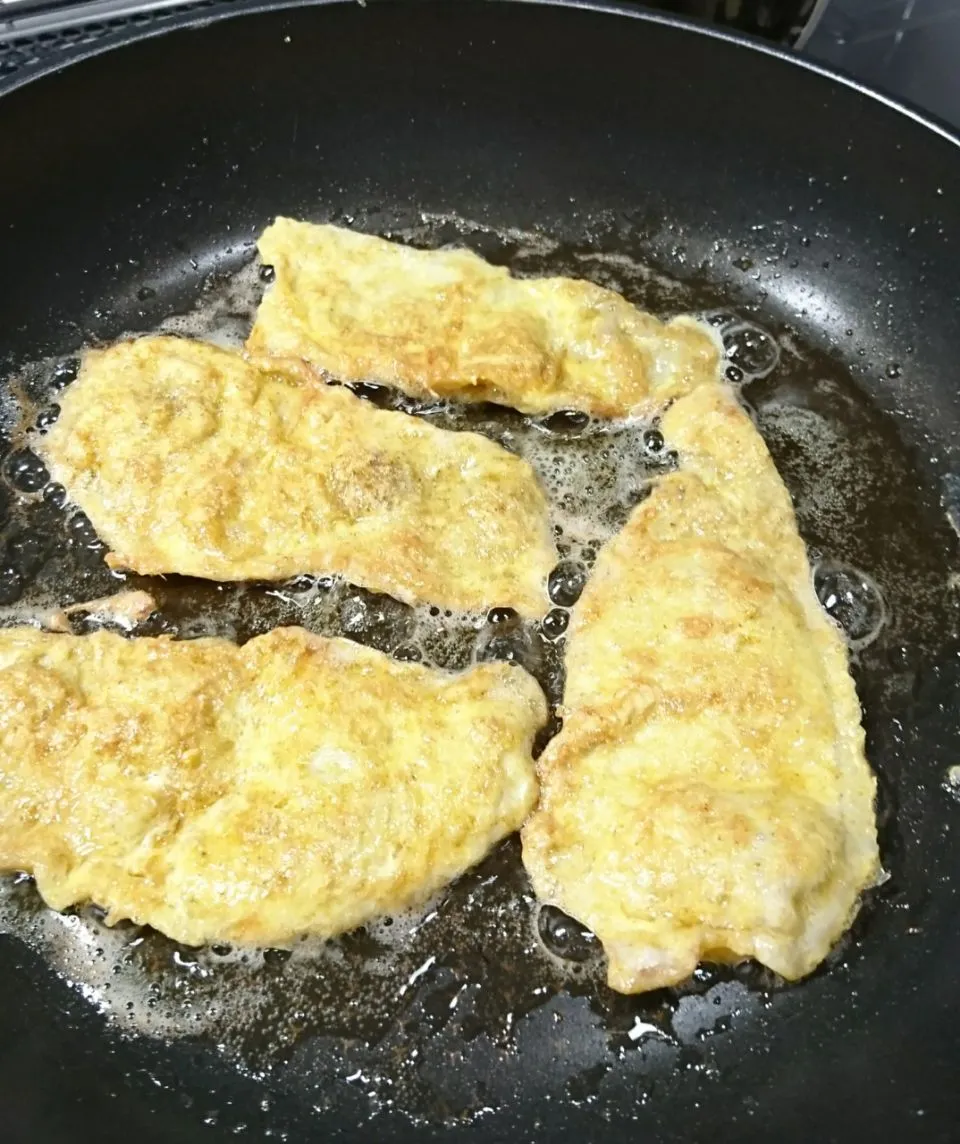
{"type": "Point", "coordinates": [818, 229]}
{"type": "Point", "coordinates": [432, 1011]}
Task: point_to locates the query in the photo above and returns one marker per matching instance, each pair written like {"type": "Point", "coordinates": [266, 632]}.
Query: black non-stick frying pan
{"type": "Point", "coordinates": [724, 176]}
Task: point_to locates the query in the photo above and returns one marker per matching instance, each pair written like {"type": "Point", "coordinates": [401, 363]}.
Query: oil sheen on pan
{"type": "Point", "coordinates": [512, 957]}
{"type": "Point", "coordinates": [190, 459]}
{"type": "Point", "coordinates": [448, 324]}
{"type": "Point", "coordinates": [297, 785]}
{"type": "Point", "coordinates": [708, 797]}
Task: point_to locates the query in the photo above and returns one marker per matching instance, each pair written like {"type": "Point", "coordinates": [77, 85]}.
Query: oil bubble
{"type": "Point", "coordinates": [751, 349]}
{"type": "Point", "coordinates": [64, 372]}
{"type": "Point", "coordinates": [514, 645]}
{"type": "Point", "coordinates": [27, 552]}
{"type": "Point", "coordinates": [26, 472]}
{"type": "Point", "coordinates": [566, 422]}
{"type": "Point", "coordinates": [82, 533]}
{"type": "Point", "coordinates": [852, 599]}
{"type": "Point", "coordinates": [653, 442]}
{"type": "Point", "coordinates": [565, 937]}
{"type": "Point", "coordinates": [301, 584]}
{"type": "Point", "coordinates": [408, 654]}
{"type": "Point", "coordinates": [379, 395]}
{"type": "Point", "coordinates": [565, 584]}
{"type": "Point", "coordinates": [47, 417]}
{"type": "Point", "coordinates": [554, 623]}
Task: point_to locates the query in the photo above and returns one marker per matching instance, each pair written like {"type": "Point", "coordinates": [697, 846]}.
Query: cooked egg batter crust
{"type": "Point", "coordinates": [188, 458]}
{"type": "Point", "coordinates": [708, 797]}
{"type": "Point", "coordinates": [295, 785]}
{"type": "Point", "coordinates": [446, 323]}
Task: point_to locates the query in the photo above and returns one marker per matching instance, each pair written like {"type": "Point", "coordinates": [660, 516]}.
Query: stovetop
{"type": "Point", "coordinates": [907, 48]}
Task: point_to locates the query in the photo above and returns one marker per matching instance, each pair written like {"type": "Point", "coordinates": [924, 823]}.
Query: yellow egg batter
{"type": "Point", "coordinates": [191, 459]}
{"type": "Point", "coordinates": [295, 785]}
{"type": "Point", "coordinates": [446, 323]}
{"type": "Point", "coordinates": [708, 797]}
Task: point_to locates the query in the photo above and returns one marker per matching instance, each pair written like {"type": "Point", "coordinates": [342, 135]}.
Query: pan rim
{"type": "Point", "coordinates": [836, 1028]}
{"type": "Point", "coordinates": [202, 18]}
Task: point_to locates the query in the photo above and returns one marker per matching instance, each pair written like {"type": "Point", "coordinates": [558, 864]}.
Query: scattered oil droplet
{"type": "Point", "coordinates": [11, 585]}
{"type": "Point", "coordinates": [566, 583]}
{"type": "Point", "coordinates": [145, 293]}
{"type": "Point", "coordinates": [267, 273]}
{"type": "Point", "coordinates": [354, 614]}
{"type": "Point", "coordinates": [503, 616]}
{"type": "Point", "coordinates": [276, 958]}
{"type": "Point", "coordinates": [184, 958]}
{"type": "Point", "coordinates": [852, 599]}
{"type": "Point", "coordinates": [894, 370]}
{"type": "Point", "coordinates": [381, 621]}
{"type": "Point", "coordinates": [733, 374]}
{"type": "Point", "coordinates": [565, 937]}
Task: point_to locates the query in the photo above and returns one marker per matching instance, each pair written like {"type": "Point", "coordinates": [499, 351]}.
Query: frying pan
{"type": "Point", "coordinates": [134, 181]}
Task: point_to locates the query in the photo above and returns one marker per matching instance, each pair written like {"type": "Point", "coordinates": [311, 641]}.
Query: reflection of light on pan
{"type": "Point", "coordinates": [950, 496]}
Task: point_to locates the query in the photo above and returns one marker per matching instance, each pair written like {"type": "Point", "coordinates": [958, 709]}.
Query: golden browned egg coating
{"type": "Point", "coordinates": [295, 785]}
{"type": "Point", "coordinates": [189, 458]}
{"type": "Point", "coordinates": [446, 323]}
{"type": "Point", "coordinates": [708, 797]}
